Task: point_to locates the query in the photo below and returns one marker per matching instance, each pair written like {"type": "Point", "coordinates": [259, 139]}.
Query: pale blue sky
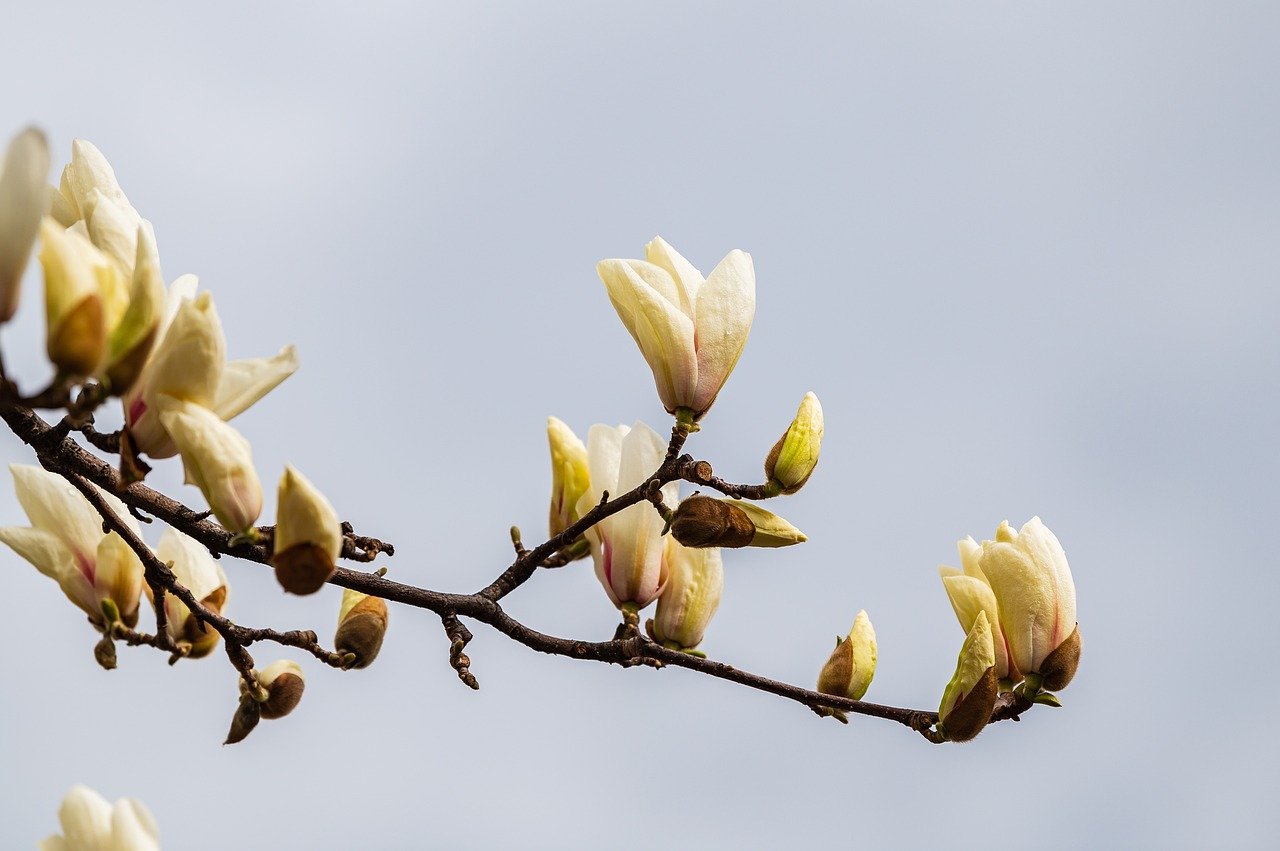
{"type": "Point", "coordinates": [1026, 254]}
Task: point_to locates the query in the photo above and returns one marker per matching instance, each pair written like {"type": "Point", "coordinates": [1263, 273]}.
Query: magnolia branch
{"type": "Point", "coordinates": [59, 453]}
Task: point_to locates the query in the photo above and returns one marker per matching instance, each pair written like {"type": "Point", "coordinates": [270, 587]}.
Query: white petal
{"type": "Point", "coordinates": [660, 253]}
{"type": "Point", "coordinates": [246, 381]}
{"type": "Point", "coordinates": [42, 549]}
{"type": "Point", "coordinates": [23, 201]}
{"type": "Point", "coordinates": [723, 316]}
{"type": "Point", "coordinates": [86, 819]}
{"type": "Point", "coordinates": [133, 828]}
{"type": "Point", "coordinates": [662, 331]}
{"type": "Point", "coordinates": [90, 170]}
{"type": "Point", "coordinates": [55, 506]}
{"type": "Point", "coordinates": [643, 450]}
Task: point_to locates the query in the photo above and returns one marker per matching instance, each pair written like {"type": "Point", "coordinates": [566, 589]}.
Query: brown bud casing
{"type": "Point", "coordinates": [303, 568]}
{"type": "Point", "coordinates": [283, 695]}
{"type": "Point", "coordinates": [972, 712]}
{"type": "Point", "coordinates": [1060, 666]}
{"type": "Point", "coordinates": [242, 723]}
{"type": "Point", "coordinates": [362, 630]}
{"type": "Point", "coordinates": [701, 521]}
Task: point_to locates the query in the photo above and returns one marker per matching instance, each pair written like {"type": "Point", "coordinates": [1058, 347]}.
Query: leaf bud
{"type": "Point", "coordinates": [362, 624]}
{"type": "Point", "coordinates": [794, 456]}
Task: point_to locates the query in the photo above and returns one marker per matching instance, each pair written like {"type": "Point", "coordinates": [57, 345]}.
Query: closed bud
{"type": "Point", "coordinates": [308, 538]}
{"type": "Point", "coordinates": [74, 308]}
{"type": "Point", "coordinates": [23, 202]}
{"type": "Point", "coordinates": [362, 624]}
{"type": "Point", "coordinates": [570, 475]}
{"type": "Point", "coordinates": [283, 684]}
{"type": "Point", "coordinates": [248, 713]}
{"type": "Point", "coordinates": [794, 456]}
{"type": "Point", "coordinates": [852, 664]}
{"type": "Point", "coordinates": [703, 521]}
{"type": "Point", "coordinates": [689, 601]}
{"type": "Point", "coordinates": [217, 459]}
{"type": "Point", "coordinates": [970, 697]}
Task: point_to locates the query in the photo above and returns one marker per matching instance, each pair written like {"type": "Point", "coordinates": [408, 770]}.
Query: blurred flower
{"type": "Point", "coordinates": [970, 596]}
{"type": "Point", "coordinates": [627, 547]}
{"type": "Point", "coordinates": [362, 624]}
{"type": "Point", "coordinates": [969, 698]}
{"type": "Point", "coordinates": [89, 823]}
{"type": "Point", "coordinates": [308, 536]}
{"type": "Point", "coordinates": [217, 459]}
{"type": "Point", "coordinates": [793, 458]}
{"type": "Point", "coordinates": [65, 542]}
{"type": "Point", "coordinates": [1036, 596]}
{"type": "Point", "coordinates": [199, 573]}
{"type": "Point", "coordinates": [690, 330]}
{"type": "Point", "coordinates": [570, 475]}
{"type": "Point", "coordinates": [704, 521]}
{"type": "Point", "coordinates": [22, 206]}
{"type": "Point", "coordinates": [691, 596]}
{"type": "Point", "coordinates": [852, 664]}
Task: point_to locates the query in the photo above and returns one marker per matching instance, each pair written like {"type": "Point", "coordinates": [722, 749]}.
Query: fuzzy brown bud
{"type": "Point", "coordinates": [303, 568]}
{"type": "Point", "coordinates": [242, 723]}
{"type": "Point", "coordinates": [972, 712]}
{"type": "Point", "coordinates": [362, 623]}
{"type": "Point", "coordinates": [284, 685]}
{"type": "Point", "coordinates": [701, 521]}
{"type": "Point", "coordinates": [1060, 666]}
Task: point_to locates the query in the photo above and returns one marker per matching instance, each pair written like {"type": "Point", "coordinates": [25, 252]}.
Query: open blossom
{"type": "Point", "coordinates": [691, 597]}
{"type": "Point", "coordinates": [65, 542]}
{"type": "Point", "coordinates": [628, 548]}
{"type": "Point", "coordinates": [189, 364]}
{"type": "Point", "coordinates": [22, 206]}
{"type": "Point", "coordinates": [200, 574]}
{"type": "Point", "coordinates": [691, 330]}
{"type": "Point", "coordinates": [90, 823]}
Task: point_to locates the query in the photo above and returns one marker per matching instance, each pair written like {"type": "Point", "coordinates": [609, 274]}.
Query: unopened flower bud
{"type": "Point", "coordinates": [570, 475]}
{"type": "Point", "coordinates": [217, 459]}
{"type": "Point", "coordinates": [74, 307]}
{"type": "Point", "coordinates": [104, 653]}
{"type": "Point", "coordinates": [689, 601]}
{"type": "Point", "coordinates": [283, 683]}
{"type": "Point", "coordinates": [362, 624]}
{"type": "Point", "coordinates": [248, 713]}
{"type": "Point", "coordinates": [794, 456]}
{"type": "Point", "coordinates": [703, 521]}
{"type": "Point", "coordinates": [308, 537]}
{"type": "Point", "coordinates": [852, 664]}
{"type": "Point", "coordinates": [971, 695]}
{"type": "Point", "coordinates": [23, 201]}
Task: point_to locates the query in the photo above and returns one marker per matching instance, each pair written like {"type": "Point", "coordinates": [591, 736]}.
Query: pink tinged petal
{"type": "Point", "coordinates": [244, 382]}
{"type": "Point", "coordinates": [118, 575]}
{"type": "Point", "coordinates": [1045, 550]}
{"type": "Point", "coordinates": [55, 506]}
{"type": "Point", "coordinates": [52, 558]}
{"type": "Point", "coordinates": [725, 310]}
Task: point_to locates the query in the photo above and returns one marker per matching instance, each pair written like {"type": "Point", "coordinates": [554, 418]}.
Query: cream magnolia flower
{"type": "Point", "coordinates": [1028, 573]}
{"type": "Point", "coordinates": [84, 298]}
{"type": "Point", "coordinates": [89, 823]}
{"type": "Point", "coordinates": [189, 363]}
{"type": "Point", "coordinates": [852, 665]}
{"type": "Point", "coordinates": [22, 206]}
{"type": "Point", "coordinates": [217, 459]}
{"type": "Point", "coordinates": [65, 542]}
{"type": "Point", "coordinates": [969, 698]}
{"type": "Point", "coordinates": [201, 574]}
{"type": "Point", "coordinates": [971, 595]}
{"type": "Point", "coordinates": [691, 330]}
{"type": "Point", "coordinates": [570, 475]}
{"type": "Point", "coordinates": [627, 547]}
{"type": "Point", "coordinates": [691, 597]}
{"type": "Point", "coordinates": [308, 536]}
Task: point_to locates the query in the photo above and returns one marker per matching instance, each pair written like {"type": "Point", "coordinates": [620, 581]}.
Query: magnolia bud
{"type": "Point", "coordinates": [570, 475]}
{"type": "Point", "coordinates": [217, 459]}
{"type": "Point", "coordinates": [74, 308]}
{"type": "Point", "coordinates": [308, 537]}
{"type": "Point", "coordinates": [248, 713]}
{"type": "Point", "coordinates": [283, 683]}
{"type": "Point", "coordinates": [703, 521]}
{"type": "Point", "coordinates": [793, 457]}
{"type": "Point", "coordinates": [23, 201]}
{"type": "Point", "coordinates": [971, 695]}
{"type": "Point", "coordinates": [1060, 666]}
{"type": "Point", "coordinates": [362, 623]}
{"type": "Point", "coordinates": [852, 665]}
{"type": "Point", "coordinates": [691, 596]}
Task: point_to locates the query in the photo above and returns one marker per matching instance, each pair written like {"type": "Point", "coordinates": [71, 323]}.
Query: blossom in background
{"type": "Point", "coordinates": [793, 458]}
{"type": "Point", "coordinates": [90, 823]}
{"type": "Point", "coordinates": [217, 459]}
{"type": "Point", "coordinates": [627, 547]}
{"type": "Point", "coordinates": [22, 206]}
{"type": "Point", "coordinates": [1036, 598]}
{"type": "Point", "coordinates": [65, 542]}
{"type": "Point", "coordinates": [570, 475]}
{"type": "Point", "coordinates": [308, 536]}
{"type": "Point", "coordinates": [691, 330]}
{"type": "Point", "coordinates": [969, 698]}
{"type": "Point", "coordinates": [200, 574]}
{"type": "Point", "coordinates": [691, 596]}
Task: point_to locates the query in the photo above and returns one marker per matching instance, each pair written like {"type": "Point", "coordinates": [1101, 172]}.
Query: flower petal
{"type": "Point", "coordinates": [244, 382]}
{"type": "Point", "coordinates": [723, 316]}
{"type": "Point", "coordinates": [23, 201]}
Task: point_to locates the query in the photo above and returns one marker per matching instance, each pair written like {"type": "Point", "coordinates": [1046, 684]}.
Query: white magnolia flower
{"type": "Point", "coordinates": [22, 206]}
{"type": "Point", "coordinates": [89, 823]}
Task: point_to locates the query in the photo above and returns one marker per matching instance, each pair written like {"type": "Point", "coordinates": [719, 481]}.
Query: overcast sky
{"type": "Point", "coordinates": [1025, 253]}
